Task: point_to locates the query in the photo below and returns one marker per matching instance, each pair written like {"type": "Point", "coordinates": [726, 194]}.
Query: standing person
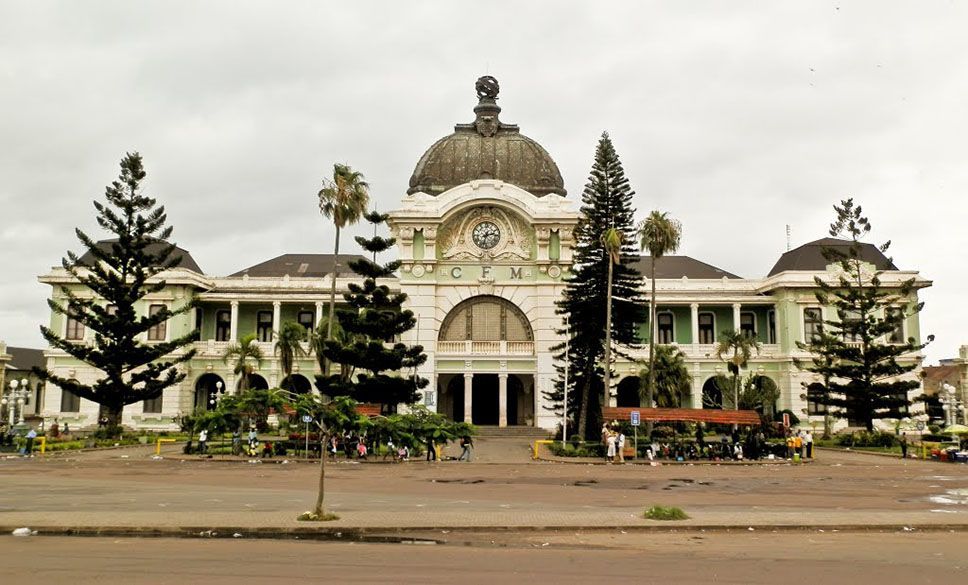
{"type": "Point", "coordinates": [29, 447]}
{"type": "Point", "coordinates": [391, 450]}
{"type": "Point", "coordinates": [620, 447]}
{"type": "Point", "coordinates": [236, 442]}
{"type": "Point", "coordinates": [904, 446]}
{"type": "Point", "coordinates": [361, 449]}
{"type": "Point", "coordinates": [798, 443]}
{"type": "Point", "coordinates": [67, 428]}
{"type": "Point", "coordinates": [808, 443]}
{"type": "Point", "coordinates": [202, 440]}
{"type": "Point", "coordinates": [700, 438]}
{"type": "Point", "coordinates": [466, 444]}
{"type": "Point", "coordinates": [431, 452]}
{"type": "Point", "coordinates": [610, 447]}
{"type": "Point", "coordinates": [333, 447]}
{"type": "Point", "coordinates": [253, 442]}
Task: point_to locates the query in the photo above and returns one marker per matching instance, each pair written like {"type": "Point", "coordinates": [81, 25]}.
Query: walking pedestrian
{"type": "Point", "coordinates": [431, 452]}
{"type": "Point", "coordinates": [29, 447]}
{"type": "Point", "coordinates": [904, 446]}
{"type": "Point", "coordinates": [466, 444]}
{"type": "Point", "coordinates": [621, 447]}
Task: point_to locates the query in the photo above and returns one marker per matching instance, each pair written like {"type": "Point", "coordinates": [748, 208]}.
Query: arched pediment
{"type": "Point", "coordinates": [486, 318]}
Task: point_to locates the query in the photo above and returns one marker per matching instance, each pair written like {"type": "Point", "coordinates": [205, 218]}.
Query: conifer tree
{"type": "Point", "coordinates": [374, 371]}
{"type": "Point", "coordinates": [606, 204]}
{"type": "Point", "coordinates": [858, 356]}
{"type": "Point", "coordinates": [123, 272]}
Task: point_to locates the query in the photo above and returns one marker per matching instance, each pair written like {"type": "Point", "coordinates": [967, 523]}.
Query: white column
{"type": "Point", "coordinates": [695, 322]}
{"type": "Point", "coordinates": [736, 307]}
{"type": "Point", "coordinates": [234, 325]}
{"type": "Point", "coordinates": [319, 313]}
{"type": "Point", "coordinates": [468, 397]}
{"type": "Point", "coordinates": [502, 400]}
{"type": "Point", "coordinates": [276, 315]}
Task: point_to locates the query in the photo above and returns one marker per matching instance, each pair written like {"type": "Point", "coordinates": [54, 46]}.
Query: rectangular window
{"type": "Point", "coordinates": [223, 325]}
{"type": "Point", "coordinates": [666, 332]}
{"type": "Point", "coordinates": [264, 325]}
{"type": "Point", "coordinates": [707, 328]}
{"type": "Point", "coordinates": [771, 327]}
{"type": "Point", "coordinates": [111, 310]}
{"type": "Point", "coordinates": [853, 318]}
{"type": "Point", "coordinates": [307, 319]}
{"type": "Point", "coordinates": [812, 324]}
{"type": "Point", "coordinates": [160, 331]}
{"type": "Point", "coordinates": [152, 405]}
{"type": "Point", "coordinates": [814, 393]}
{"type": "Point", "coordinates": [747, 324]}
{"type": "Point", "coordinates": [75, 329]}
{"type": "Point", "coordinates": [70, 402]}
{"type": "Point", "coordinates": [199, 319]}
{"type": "Point", "coordinates": [897, 335]}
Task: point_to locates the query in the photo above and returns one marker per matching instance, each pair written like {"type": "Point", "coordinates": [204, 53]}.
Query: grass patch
{"type": "Point", "coordinates": [312, 517]}
{"type": "Point", "coordinates": [665, 513]}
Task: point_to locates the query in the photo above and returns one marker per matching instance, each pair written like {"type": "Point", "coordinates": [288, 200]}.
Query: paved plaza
{"type": "Point", "coordinates": [126, 489]}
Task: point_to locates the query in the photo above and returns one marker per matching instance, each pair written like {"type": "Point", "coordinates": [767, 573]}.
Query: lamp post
{"type": "Point", "coordinates": [564, 414]}
{"type": "Point", "coordinates": [15, 399]}
{"type": "Point", "coordinates": [953, 408]}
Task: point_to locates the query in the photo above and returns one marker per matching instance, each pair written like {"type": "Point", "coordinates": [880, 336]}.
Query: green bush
{"type": "Point", "coordinates": [663, 432]}
{"type": "Point", "coordinates": [665, 513]}
{"type": "Point", "coordinates": [865, 439]}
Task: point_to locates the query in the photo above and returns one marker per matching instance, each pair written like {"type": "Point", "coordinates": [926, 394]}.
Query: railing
{"type": "Point", "coordinates": [486, 347]}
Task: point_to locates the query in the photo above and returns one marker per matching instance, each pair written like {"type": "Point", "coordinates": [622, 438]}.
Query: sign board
{"type": "Point", "coordinates": [307, 419]}
{"type": "Point", "coordinates": [634, 415]}
{"type": "Point", "coordinates": [786, 419]}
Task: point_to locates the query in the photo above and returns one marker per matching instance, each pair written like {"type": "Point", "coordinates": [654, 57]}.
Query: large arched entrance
{"type": "Point", "coordinates": [628, 392]}
{"type": "Point", "coordinates": [206, 389]}
{"type": "Point", "coordinates": [296, 383]}
{"type": "Point", "coordinates": [712, 395]}
{"type": "Point", "coordinates": [256, 382]}
{"type": "Point", "coordinates": [485, 398]}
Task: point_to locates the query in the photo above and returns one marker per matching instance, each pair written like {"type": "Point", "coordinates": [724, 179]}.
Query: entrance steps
{"type": "Point", "coordinates": [511, 431]}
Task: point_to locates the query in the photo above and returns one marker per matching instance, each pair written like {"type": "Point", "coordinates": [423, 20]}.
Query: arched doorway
{"type": "Point", "coordinates": [296, 383]}
{"type": "Point", "coordinates": [484, 406]}
{"type": "Point", "coordinates": [256, 382]}
{"type": "Point", "coordinates": [628, 392]}
{"type": "Point", "coordinates": [206, 388]}
{"type": "Point", "coordinates": [712, 395]}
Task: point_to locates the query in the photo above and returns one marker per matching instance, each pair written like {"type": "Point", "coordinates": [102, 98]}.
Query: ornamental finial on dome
{"type": "Point", "coordinates": [487, 87]}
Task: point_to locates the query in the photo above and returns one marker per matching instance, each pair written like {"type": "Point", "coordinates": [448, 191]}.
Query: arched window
{"type": "Point", "coordinates": [486, 318]}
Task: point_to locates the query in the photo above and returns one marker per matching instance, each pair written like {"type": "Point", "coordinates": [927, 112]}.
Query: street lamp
{"type": "Point", "coordinates": [15, 399]}
{"type": "Point", "coordinates": [953, 408]}
{"type": "Point", "coordinates": [214, 398]}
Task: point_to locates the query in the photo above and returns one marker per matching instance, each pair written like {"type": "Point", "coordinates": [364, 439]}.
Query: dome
{"type": "Point", "coordinates": [486, 149]}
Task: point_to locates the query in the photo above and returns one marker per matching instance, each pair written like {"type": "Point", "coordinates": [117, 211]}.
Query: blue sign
{"type": "Point", "coordinates": [635, 418]}
{"type": "Point", "coordinates": [307, 419]}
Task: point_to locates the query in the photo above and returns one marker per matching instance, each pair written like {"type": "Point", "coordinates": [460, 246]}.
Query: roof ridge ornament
{"type": "Point", "coordinates": [487, 87]}
{"type": "Point", "coordinates": [487, 123]}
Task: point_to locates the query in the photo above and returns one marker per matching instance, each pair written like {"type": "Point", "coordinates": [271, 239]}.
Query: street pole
{"type": "Point", "coordinates": [307, 441]}
{"type": "Point", "coordinates": [564, 414]}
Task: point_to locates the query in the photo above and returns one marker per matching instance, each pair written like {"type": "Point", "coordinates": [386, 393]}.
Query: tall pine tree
{"type": "Point", "coordinates": [857, 354]}
{"type": "Point", "coordinates": [606, 204]}
{"type": "Point", "coordinates": [123, 272]}
{"type": "Point", "coordinates": [375, 369]}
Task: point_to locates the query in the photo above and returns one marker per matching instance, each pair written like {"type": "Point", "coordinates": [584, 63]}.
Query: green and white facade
{"type": "Point", "coordinates": [485, 235]}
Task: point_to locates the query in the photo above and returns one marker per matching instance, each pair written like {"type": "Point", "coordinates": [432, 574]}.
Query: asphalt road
{"type": "Point", "coordinates": [768, 558]}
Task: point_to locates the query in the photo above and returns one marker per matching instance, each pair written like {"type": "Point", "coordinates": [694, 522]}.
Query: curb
{"type": "Point", "coordinates": [410, 533]}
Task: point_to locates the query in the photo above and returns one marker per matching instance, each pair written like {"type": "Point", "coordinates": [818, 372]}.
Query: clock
{"type": "Point", "coordinates": [486, 235]}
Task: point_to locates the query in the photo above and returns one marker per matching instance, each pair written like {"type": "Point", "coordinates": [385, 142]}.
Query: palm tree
{"type": "Point", "coordinates": [240, 353]}
{"type": "Point", "coordinates": [671, 375]}
{"type": "Point", "coordinates": [736, 348]}
{"type": "Point", "coordinates": [289, 347]}
{"type": "Point", "coordinates": [612, 242]}
{"type": "Point", "coordinates": [660, 235]}
{"type": "Point", "coordinates": [342, 199]}
{"type": "Point", "coordinates": [329, 329]}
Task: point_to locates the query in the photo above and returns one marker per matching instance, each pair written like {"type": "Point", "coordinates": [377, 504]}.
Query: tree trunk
{"type": "Point", "coordinates": [319, 510]}
{"type": "Point", "coordinates": [110, 416]}
{"type": "Point", "coordinates": [583, 415]}
{"type": "Point", "coordinates": [332, 300]}
{"type": "Point", "coordinates": [607, 401]}
{"type": "Point", "coordinates": [650, 387]}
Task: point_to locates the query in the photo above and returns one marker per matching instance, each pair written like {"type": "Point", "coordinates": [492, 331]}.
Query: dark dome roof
{"type": "Point", "coordinates": [810, 256]}
{"type": "Point", "coordinates": [486, 149]}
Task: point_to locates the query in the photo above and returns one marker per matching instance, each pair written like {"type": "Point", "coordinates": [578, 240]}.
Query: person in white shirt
{"type": "Point", "coordinates": [621, 447]}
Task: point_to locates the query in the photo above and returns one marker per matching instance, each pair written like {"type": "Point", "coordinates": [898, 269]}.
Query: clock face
{"type": "Point", "coordinates": [486, 235]}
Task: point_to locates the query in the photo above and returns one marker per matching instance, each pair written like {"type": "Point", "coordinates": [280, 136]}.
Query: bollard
{"type": "Point", "coordinates": [158, 445]}
{"type": "Point", "coordinates": [535, 447]}
{"type": "Point", "coordinates": [43, 444]}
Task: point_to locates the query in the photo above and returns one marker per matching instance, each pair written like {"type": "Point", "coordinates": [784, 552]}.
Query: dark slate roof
{"type": "Point", "coordinates": [810, 256]}
{"type": "Point", "coordinates": [299, 266]}
{"type": "Point", "coordinates": [187, 261]}
{"type": "Point", "coordinates": [679, 266]}
{"type": "Point", "coordinates": [25, 358]}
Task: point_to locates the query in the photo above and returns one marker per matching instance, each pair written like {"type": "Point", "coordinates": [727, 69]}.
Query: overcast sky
{"type": "Point", "coordinates": [737, 118]}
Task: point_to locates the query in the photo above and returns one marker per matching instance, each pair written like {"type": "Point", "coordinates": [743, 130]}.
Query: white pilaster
{"type": "Point", "coordinates": [234, 325]}
{"type": "Point", "coordinates": [468, 396]}
{"type": "Point", "coordinates": [319, 313]}
{"type": "Point", "coordinates": [736, 308]}
{"type": "Point", "coordinates": [502, 400]}
{"type": "Point", "coordinates": [276, 316]}
{"type": "Point", "coordinates": [694, 307]}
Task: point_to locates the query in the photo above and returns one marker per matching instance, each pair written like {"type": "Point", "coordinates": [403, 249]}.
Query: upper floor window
{"type": "Point", "coordinates": [75, 329]}
{"type": "Point", "coordinates": [747, 324]}
{"type": "Point", "coordinates": [707, 328]}
{"type": "Point", "coordinates": [812, 324]}
{"type": "Point", "coordinates": [897, 335]}
{"type": "Point", "coordinates": [158, 332]}
{"type": "Point", "coordinates": [851, 320]}
{"type": "Point", "coordinates": [264, 325]}
{"type": "Point", "coordinates": [223, 325]}
{"type": "Point", "coordinates": [815, 392]}
{"type": "Point", "coordinates": [771, 327]}
{"type": "Point", "coordinates": [666, 328]}
{"type": "Point", "coordinates": [307, 319]}
{"type": "Point", "coordinates": [199, 318]}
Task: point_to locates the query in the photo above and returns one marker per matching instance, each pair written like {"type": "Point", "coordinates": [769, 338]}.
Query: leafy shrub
{"type": "Point", "coordinates": [663, 432]}
{"type": "Point", "coordinates": [865, 439]}
{"type": "Point", "coordinates": [665, 513]}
